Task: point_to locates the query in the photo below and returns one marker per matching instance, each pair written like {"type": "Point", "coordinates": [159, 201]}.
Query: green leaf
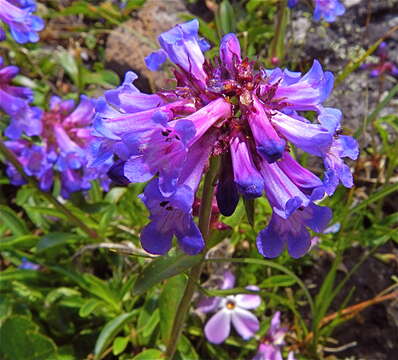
{"type": "Point", "coordinates": [46, 211]}
{"type": "Point", "coordinates": [236, 218]}
{"type": "Point", "coordinates": [110, 330]}
{"type": "Point", "coordinates": [225, 18]}
{"type": "Point", "coordinates": [249, 208]}
{"type": "Point", "coordinates": [93, 285]}
{"type": "Point", "coordinates": [19, 274]}
{"type": "Point", "coordinates": [106, 218]}
{"type": "Point", "coordinates": [115, 194]}
{"type": "Point", "coordinates": [146, 311]}
{"type": "Point", "coordinates": [278, 280]}
{"type": "Point", "coordinates": [21, 341]}
{"type": "Point", "coordinates": [18, 242]}
{"type": "Point", "coordinates": [106, 78]}
{"type": "Point", "coordinates": [11, 220]}
{"type": "Point", "coordinates": [150, 326]}
{"type": "Point", "coordinates": [71, 67]}
{"type": "Point", "coordinates": [132, 5]}
{"type": "Point", "coordinates": [119, 345]}
{"type": "Point", "coordinates": [186, 351]}
{"type": "Point", "coordinates": [149, 354]}
{"type": "Point", "coordinates": [89, 306]}
{"type": "Point", "coordinates": [375, 196]}
{"type": "Point", "coordinates": [162, 268]}
{"type": "Point", "coordinates": [168, 303]}
{"type": "Point", "coordinates": [55, 239]}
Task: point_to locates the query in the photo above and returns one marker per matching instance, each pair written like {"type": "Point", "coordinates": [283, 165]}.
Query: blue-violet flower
{"type": "Point", "coordinates": [17, 14]}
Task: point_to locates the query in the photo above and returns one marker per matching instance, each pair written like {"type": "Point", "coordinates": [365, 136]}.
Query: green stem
{"type": "Point", "coordinates": [277, 47]}
{"type": "Point", "coordinates": [9, 155]}
{"type": "Point", "coordinates": [204, 222]}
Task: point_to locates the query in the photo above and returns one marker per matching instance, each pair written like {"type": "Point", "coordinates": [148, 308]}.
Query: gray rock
{"type": "Point", "coordinates": [130, 43]}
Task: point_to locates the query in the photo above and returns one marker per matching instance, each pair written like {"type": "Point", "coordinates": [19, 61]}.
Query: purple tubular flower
{"type": "Point", "coordinates": [336, 170]}
{"type": "Point", "coordinates": [163, 150]}
{"type": "Point", "coordinates": [230, 53]}
{"type": "Point", "coordinates": [304, 179]}
{"type": "Point", "coordinates": [268, 143]}
{"type": "Point", "coordinates": [312, 138]}
{"type": "Point", "coordinates": [292, 3]}
{"type": "Point", "coordinates": [247, 178]}
{"type": "Point", "coordinates": [184, 48]}
{"type": "Point", "coordinates": [14, 101]}
{"type": "Point", "coordinates": [292, 232]}
{"type": "Point", "coordinates": [170, 216]}
{"type": "Point", "coordinates": [116, 173]}
{"type": "Point", "coordinates": [301, 92]}
{"type": "Point", "coordinates": [227, 193]}
{"type": "Point", "coordinates": [122, 133]}
{"type": "Point", "coordinates": [233, 308]}
{"type": "Point", "coordinates": [18, 16]}
{"type": "Point", "coordinates": [328, 10]}
{"type": "Point", "coordinates": [155, 60]}
{"type": "Point", "coordinates": [127, 98]}
{"type": "Point", "coordinates": [283, 194]}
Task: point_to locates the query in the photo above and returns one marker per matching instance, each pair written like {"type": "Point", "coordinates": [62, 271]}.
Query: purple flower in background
{"type": "Point", "coordinates": [328, 10]}
{"type": "Point", "coordinates": [271, 347]}
{"type": "Point", "coordinates": [383, 66]}
{"type": "Point", "coordinates": [65, 138]}
{"type": "Point", "coordinates": [231, 309]}
{"type": "Point", "coordinates": [14, 101]}
{"type": "Point", "coordinates": [250, 116]}
{"type": "Point", "coordinates": [17, 14]}
{"type": "Point", "coordinates": [27, 265]}
{"type": "Point", "coordinates": [332, 229]}
{"type": "Point", "coordinates": [324, 9]}
{"type": "Point", "coordinates": [36, 161]}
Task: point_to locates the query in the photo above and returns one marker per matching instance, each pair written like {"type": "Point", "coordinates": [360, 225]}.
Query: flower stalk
{"type": "Point", "coordinates": [204, 222]}
{"type": "Point", "coordinates": [30, 180]}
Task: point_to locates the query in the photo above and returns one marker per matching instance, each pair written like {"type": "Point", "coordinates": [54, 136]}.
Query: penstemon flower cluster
{"type": "Point", "coordinates": [64, 132]}
{"type": "Point", "coordinates": [253, 118]}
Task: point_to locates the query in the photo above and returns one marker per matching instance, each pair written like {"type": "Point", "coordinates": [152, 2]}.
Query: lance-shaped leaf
{"type": "Point", "coordinates": [162, 268]}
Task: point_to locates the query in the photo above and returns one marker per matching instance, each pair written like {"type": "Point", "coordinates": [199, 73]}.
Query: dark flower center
{"type": "Point", "coordinates": [230, 305]}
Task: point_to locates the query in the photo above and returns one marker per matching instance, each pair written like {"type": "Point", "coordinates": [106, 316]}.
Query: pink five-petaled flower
{"type": "Point", "coordinates": [270, 348]}
{"type": "Point", "coordinates": [233, 308]}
